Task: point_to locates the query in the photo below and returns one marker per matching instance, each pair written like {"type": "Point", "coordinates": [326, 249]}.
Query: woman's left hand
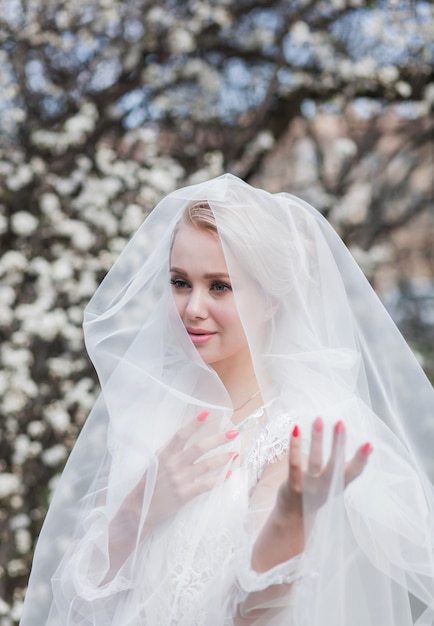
{"type": "Point", "coordinates": [314, 481]}
{"type": "Point", "coordinates": [283, 534]}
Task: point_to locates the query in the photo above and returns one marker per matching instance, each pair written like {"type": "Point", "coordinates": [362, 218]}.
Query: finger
{"type": "Point", "coordinates": [203, 446]}
{"type": "Point", "coordinates": [338, 446]}
{"type": "Point", "coordinates": [207, 482]}
{"type": "Point", "coordinates": [314, 465]}
{"type": "Point", "coordinates": [188, 430]}
{"type": "Point", "coordinates": [355, 467]}
{"type": "Point", "coordinates": [201, 486]}
{"type": "Point", "coordinates": [214, 463]}
{"type": "Point", "coordinates": [295, 472]}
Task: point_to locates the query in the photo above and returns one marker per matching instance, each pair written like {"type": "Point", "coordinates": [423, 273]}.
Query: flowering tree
{"type": "Point", "coordinates": [105, 106]}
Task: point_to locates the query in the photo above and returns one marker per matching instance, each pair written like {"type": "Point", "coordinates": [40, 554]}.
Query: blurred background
{"type": "Point", "coordinates": [108, 105]}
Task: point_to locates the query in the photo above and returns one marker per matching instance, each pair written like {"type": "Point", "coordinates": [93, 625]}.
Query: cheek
{"type": "Point", "coordinates": [231, 319]}
{"type": "Point", "coordinates": [179, 302]}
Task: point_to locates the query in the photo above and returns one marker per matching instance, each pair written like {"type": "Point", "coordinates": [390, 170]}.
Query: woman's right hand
{"type": "Point", "coordinates": [183, 473]}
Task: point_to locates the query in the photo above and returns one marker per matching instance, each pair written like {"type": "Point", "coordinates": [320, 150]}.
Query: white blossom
{"type": "Point", "coordinates": [36, 429]}
{"type": "Point", "coordinates": [24, 449]}
{"type": "Point", "coordinates": [86, 285]}
{"type": "Point", "coordinates": [9, 484]}
{"type": "Point", "coordinates": [353, 207]}
{"type": "Point", "coordinates": [54, 455]}
{"type": "Point", "coordinates": [157, 15]}
{"type": "Point", "coordinates": [345, 147]}
{"type": "Point", "coordinates": [12, 260]}
{"type": "Point", "coordinates": [83, 393]}
{"type": "Point", "coordinates": [6, 168]}
{"type": "Point", "coordinates": [60, 367]}
{"type": "Point", "coordinates": [4, 608]}
{"type": "Point", "coordinates": [19, 521]}
{"type": "Point", "coordinates": [7, 295]}
{"type": "Point", "coordinates": [15, 358]}
{"type": "Point", "coordinates": [16, 567]}
{"type": "Point", "coordinates": [22, 176]}
{"type": "Point", "coordinates": [81, 124]}
{"type": "Point", "coordinates": [4, 381]}
{"type": "Point", "coordinates": [428, 93]}
{"type": "Point", "coordinates": [62, 269]}
{"type": "Point", "coordinates": [372, 258]}
{"type": "Point", "coordinates": [63, 19]}
{"type": "Point", "coordinates": [81, 237]}
{"type": "Point", "coordinates": [75, 130]}
{"type": "Point", "coordinates": [20, 339]}
{"type": "Point", "coordinates": [388, 73]}
{"type": "Point", "coordinates": [50, 205]}
{"type": "Point", "coordinates": [23, 540]}
{"type": "Point", "coordinates": [17, 607]}
{"type": "Point", "coordinates": [46, 326]}
{"type": "Point", "coordinates": [6, 316]}
{"type": "Point", "coordinates": [3, 223]}
{"type": "Point", "coordinates": [75, 314]}
{"type": "Point", "coordinates": [24, 223]}
{"type": "Point", "coordinates": [132, 218]}
{"type": "Point", "coordinates": [73, 336]}
{"type": "Point", "coordinates": [14, 400]}
{"type": "Point", "coordinates": [365, 68]}
{"type": "Point", "coordinates": [263, 141]}
{"type": "Point", "coordinates": [38, 165]}
{"type": "Point", "coordinates": [403, 88]}
{"type": "Point", "coordinates": [300, 32]}
{"type": "Point", "coordinates": [57, 416]}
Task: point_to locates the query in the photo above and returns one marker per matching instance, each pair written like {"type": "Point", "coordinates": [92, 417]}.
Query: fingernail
{"type": "Point", "coordinates": [366, 449]}
{"type": "Point", "coordinates": [202, 416]}
{"type": "Point", "coordinates": [339, 428]}
{"type": "Point", "coordinates": [231, 434]}
{"type": "Point", "coordinates": [234, 455]}
{"type": "Point", "coordinates": [317, 425]}
{"type": "Point", "coordinates": [228, 473]}
{"type": "Point", "coordinates": [295, 431]}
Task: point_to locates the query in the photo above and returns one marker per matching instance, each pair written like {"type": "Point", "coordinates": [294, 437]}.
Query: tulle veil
{"type": "Point", "coordinates": [322, 344]}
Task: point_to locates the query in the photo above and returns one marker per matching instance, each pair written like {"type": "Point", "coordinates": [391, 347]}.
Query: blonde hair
{"type": "Point", "coordinates": [199, 213]}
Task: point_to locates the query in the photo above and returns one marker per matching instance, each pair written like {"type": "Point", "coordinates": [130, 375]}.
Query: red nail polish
{"type": "Point", "coordinates": [366, 449]}
{"type": "Point", "coordinates": [317, 425]}
{"type": "Point", "coordinates": [202, 416]}
{"type": "Point", "coordinates": [295, 431]}
{"type": "Point", "coordinates": [234, 455]}
{"type": "Point", "coordinates": [339, 428]}
{"type": "Point", "coordinates": [231, 434]}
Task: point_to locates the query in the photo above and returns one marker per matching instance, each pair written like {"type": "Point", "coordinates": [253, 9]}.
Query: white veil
{"type": "Point", "coordinates": [322, 344]}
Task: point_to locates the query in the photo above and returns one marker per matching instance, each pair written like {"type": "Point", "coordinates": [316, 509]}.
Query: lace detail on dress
{"type": "Point", "coordinates": [251, 420]}
{"type": "Point", "coordinates": [189, 585]}
{"type": "Point", "coordinates": [271, 442]}
{"type": "Point", "coordinates": [197, 568]}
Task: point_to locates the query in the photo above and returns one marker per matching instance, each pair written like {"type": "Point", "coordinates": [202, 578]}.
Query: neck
{"type": "Point", "coordinates": [239, 378]}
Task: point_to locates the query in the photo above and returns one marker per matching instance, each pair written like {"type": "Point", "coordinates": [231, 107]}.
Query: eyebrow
{"type": "Point", "coordinates": [219, 275]}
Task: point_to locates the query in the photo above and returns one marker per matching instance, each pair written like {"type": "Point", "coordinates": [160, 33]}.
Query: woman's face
{"type": "Point", "coordinates": [204, 298]}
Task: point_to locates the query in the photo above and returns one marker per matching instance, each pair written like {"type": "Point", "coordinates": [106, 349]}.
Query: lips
{"type": "Point", "coordinates": [199, 335]}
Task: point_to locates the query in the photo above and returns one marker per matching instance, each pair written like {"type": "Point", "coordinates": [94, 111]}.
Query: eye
{"type": "Point", "coordinates": [220, 287]}
{"type": "Point", "coordinates": [179, 283]}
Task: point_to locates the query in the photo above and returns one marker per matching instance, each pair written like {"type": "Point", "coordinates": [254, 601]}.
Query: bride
{"type": "Point", "coordinates": [256, 455]}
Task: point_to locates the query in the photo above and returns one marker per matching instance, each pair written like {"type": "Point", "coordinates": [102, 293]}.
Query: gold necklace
{"type": "Point", "coordinates": [248, 400]}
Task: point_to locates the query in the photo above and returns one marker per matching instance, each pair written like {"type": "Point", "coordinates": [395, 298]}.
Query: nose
{"type": "Point", "coordinates": [196, 307]}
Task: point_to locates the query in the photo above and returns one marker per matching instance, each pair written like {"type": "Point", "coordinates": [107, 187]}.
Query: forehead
{"type": "Point", "coordinates": [197, 248]}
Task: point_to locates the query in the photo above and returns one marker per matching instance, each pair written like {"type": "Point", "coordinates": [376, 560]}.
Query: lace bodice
{"type": "Point", "coordinates": [199, 574]}
{"type": "Point", "coordinates": [264, 441]}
